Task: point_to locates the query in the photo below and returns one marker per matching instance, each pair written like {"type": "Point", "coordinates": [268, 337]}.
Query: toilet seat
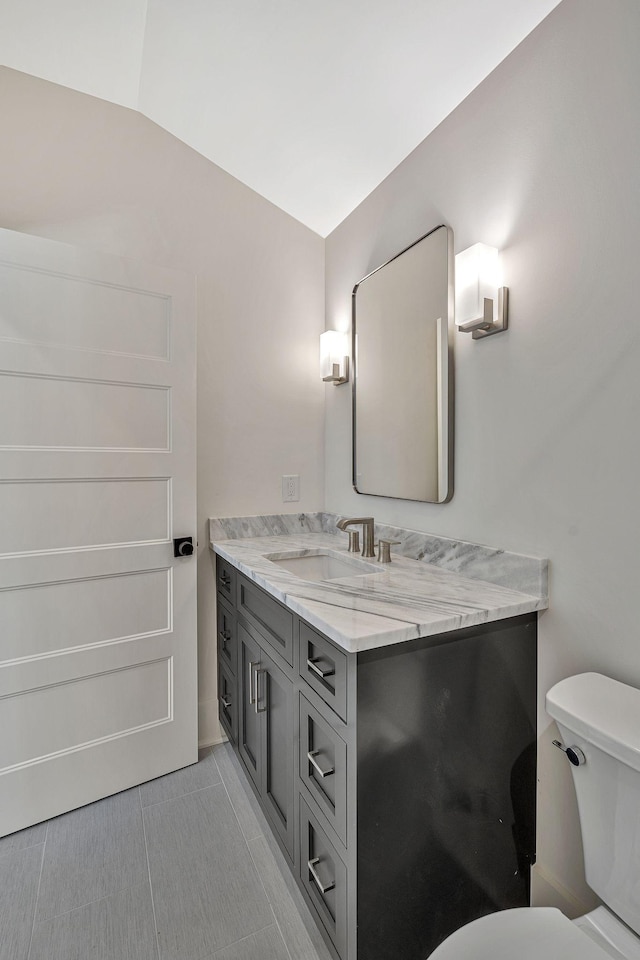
{"type": "Point", "coordinates": [524, 933]}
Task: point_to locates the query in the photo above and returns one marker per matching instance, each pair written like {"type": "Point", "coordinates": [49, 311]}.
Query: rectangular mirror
{"type": "Point", "coordinates": [403, 374]}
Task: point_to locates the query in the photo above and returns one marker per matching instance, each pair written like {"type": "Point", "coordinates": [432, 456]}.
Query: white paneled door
{"type": "Point", "coordinates": [98, 683]}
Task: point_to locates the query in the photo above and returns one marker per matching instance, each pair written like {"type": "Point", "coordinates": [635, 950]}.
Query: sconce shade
{"type": "Point", "coordinates": [334, 357]}
{"type": "Point", "coordinates": [481, 303]}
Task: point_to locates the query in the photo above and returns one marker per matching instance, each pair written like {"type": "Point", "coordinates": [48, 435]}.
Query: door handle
{"type": "Point", "coordinates": [323, 888]}
{"type": "Point", "coordinates": [224, 636]}
{"type": "Point", "coordinates": [259, 709]}
{"type": "Point", "coordinates": [252, 695]}
{"type": "Point", "coordinates": [183, 546]}
{"type": "Point", "coordinates": [225, 703]}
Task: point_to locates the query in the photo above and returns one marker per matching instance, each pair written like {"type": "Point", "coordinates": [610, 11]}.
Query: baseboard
{"type": "Point", "coordinates": [548, 891]}
{"type": "Point", "coordinates": [203, 744]}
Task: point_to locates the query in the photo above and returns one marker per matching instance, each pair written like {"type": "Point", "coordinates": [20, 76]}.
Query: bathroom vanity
{"type": "Point", "coordinates": [386, 722]}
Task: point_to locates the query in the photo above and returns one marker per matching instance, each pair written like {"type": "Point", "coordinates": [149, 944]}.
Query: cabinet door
{"type": "Point", "coordinates": [275, 702]}
{"type": "Point", "coordinates": [249, 720]}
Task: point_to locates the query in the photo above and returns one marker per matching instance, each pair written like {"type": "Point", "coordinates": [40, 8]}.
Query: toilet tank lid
{"type": "Point", "coordinates": [603, 711]}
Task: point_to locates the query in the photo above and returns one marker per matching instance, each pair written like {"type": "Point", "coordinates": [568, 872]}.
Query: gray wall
{"type": "Point", "coordinates": [84, 171]}
{"type": "Point", "coordinates": [543, 161]}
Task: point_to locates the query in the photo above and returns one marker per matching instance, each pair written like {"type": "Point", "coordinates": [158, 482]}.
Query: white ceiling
{"type": "Point", "coordinates": [310, 102]}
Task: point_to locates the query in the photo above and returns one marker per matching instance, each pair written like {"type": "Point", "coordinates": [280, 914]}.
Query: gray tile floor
{"type": "Point", "coordinates": [181, 868]}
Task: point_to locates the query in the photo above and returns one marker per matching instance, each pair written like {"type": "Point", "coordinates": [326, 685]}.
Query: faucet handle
{"type": "Point", "coordinates": [354, 541]}
{"type": "Point", "coordinates": [384, 550]}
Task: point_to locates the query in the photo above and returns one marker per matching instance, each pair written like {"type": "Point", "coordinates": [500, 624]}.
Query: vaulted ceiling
{"type": "Point", "coordinates": [312, 104]}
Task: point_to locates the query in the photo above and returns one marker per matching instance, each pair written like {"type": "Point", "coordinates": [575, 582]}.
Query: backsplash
{"type": "Point", "coordinates": [271, 525]}
{"type": "Point", "coordinates": [473, 560]}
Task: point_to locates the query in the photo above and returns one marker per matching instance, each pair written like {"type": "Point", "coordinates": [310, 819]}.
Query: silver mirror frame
{"type": "Point", "coordinates": [445, 380]}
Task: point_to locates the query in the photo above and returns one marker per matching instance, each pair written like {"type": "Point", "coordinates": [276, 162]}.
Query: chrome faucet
{"type": "Point", "coordinates": [367, 534]}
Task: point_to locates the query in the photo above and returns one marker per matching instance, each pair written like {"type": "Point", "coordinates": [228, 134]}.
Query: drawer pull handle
{"type": "Point", "coordinates": [225, 581]}
{"type": "Point", "coordinates": [313, 665]}
{"type": "Point", "coordinates": [225, 636]}
{"type": "Point", "coordinates": [252, 695]}
{"type": "Point", "coordinates": [323, 888]}
{"type": "Point", "coordinates": [311, 758]}
{"type": "Point", "coordinates": [225, 703]}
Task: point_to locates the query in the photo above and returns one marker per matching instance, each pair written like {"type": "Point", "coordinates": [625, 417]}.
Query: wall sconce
{"type": "Point", "coordinates": [481, 304]}
{"type": "Point", "coordinates": [334, 357]}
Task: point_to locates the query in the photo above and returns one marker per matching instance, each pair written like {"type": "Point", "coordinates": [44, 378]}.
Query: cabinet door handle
{"type": "Point", "coordinates": [313, 665]}
{"type": "Point", "coordinates": [224, 636]}
{"type": "Point", "coordinates": [323, 888]}
{"type": "Point", "coordinates": [260, 709]}
{"type": "Point", "coordinates": [225, 703]}
{"type": "Point", "coordinates": [252, 695]}
{"type": "Point", "coordinates": [311, 758]}
{"type": "Point", "coordinates": [225, 580]}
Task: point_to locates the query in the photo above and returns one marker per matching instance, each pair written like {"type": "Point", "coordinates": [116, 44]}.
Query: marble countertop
{"type": "Point", "coordinates": [401, 601]}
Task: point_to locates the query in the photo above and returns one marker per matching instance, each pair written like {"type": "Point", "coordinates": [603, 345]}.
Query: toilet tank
{"type": "Point", "coordinates": [602, 717]}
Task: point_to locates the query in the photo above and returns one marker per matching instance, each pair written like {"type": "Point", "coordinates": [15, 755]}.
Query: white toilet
{"type": "Point", "coordinates": [599, 722]}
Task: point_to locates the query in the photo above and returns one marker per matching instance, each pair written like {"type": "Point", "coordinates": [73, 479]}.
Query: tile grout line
{"type": "Point", "coordinates": [146, 850]}
{"type": "Point", "coordinates": [107, 896]}
{"type": "Point", "coordinates": [89, 903]}
{"type": "Point", "coordinates": [262, 836]}
{"type": "Point", "coordinates": [246, 840]}
{"type": "Point", "coordinates": [222, 781]}
{"type": "Point", "coordinates": [104, 896]}
{"type": "Point", "coordinates": [277, 923]}
{"type": "Point", "coordinates": [212, 956]}
{"type": "Point", "coordinates": [264, 889]}
{"type": "Point", "coordinates": [240, 827]}
{"type": "Point", "coordinates": [189, 793]}
{"type": "Point", "coordinates": [27, 846]}
{"type": "Point", "coordinates": [255, 866]}
{"type": "Point", "coordinates": [232, 773]}
{"type": "Point", "coordinates": [35, 906]}
{"type": "Point", "coordinates": [275, 919]}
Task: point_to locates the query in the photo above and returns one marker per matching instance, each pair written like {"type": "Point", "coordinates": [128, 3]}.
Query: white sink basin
{"type": "Point", "coordinates": [321, 565]}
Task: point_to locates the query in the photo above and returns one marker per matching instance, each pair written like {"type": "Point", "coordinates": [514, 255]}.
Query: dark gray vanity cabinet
{"type": "Point", "coordinates": [400, 782]}
{"type": "Point", "coordinates": [265, 738]}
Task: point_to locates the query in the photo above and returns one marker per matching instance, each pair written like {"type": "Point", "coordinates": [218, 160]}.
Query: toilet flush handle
{"type": "Point", "coordinates": [574, 754]}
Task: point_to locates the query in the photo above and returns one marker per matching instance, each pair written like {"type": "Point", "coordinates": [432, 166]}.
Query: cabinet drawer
{"type": "Point", "coordinates": [225, 578]}
{"type": "Point", "coordinates": [324, 878]}
{"type": "Point", "coordinates": [323, 766]}
{"type": "Point", "coordinates": [227, 635]}
{"type": "Point", "coordinates": [274, 621]}
{"type": "Point", "coordinates": [324, 667]}
{"type": "Point", "coordinates": [227, 701]}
